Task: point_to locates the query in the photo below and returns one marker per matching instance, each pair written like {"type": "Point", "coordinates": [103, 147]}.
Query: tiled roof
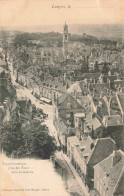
{"type": "Point", "coordinates": [62, 126]}
{"type": "Point", "coordinates": [2, 62]}
{"type": "Point", "coordinates": [56, 82]}
{"type": "Point", "coordinates": [84, 149]}
{"type": "Point", "coordinates": [83, 100]}
{"type": "Point", "coordinates": [94, 123]}
{"type": "Point", "coordinates": [114, 104]}
{"type": "Point", "coordinates": [111, 78]}
{"type": "Point", "coordinates": [121, 100]}
{"type": "Point", "coordinates": [73, 140]}
{"type": "Point", "coordinates": [99, 87]}
{"type": "Point", "coordinates": [102, 109]}
{"type": "Point", "coordinates": [116, 84]}
{"type": "Point", "coordinates": [1, 69]}
{"type": "Point", "coordinates": [62, 98]}
{"type": "Point", "coordinates": [103, 148]}
{"type": "Point", "coordinates": [75, 87]}
{"type": "Point", "coordinates": [113, 120]}
{"type": "Point", "coordinates": [91, 75]}
{"type": "Point", "coordinates": [79, 87]}
{"type": "Point", "coordinates": [83, 86]}
{"type": "Point", "coordinates": [112, 168]}
{"type": "Point", "coordinates": [66, 99]}
{"type": "Point", "coordinates": [4, 93]}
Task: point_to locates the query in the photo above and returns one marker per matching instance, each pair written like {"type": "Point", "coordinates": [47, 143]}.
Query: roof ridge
{"type": "Point", "coordinates": [95, 142]}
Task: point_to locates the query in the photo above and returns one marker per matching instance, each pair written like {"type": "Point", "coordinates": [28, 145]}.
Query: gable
{"type": "Point", "coordinates": [69, 103]}
{"type": "Point", "coordinates": [103, 148]}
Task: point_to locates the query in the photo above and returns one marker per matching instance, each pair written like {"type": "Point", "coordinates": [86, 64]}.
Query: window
{"type": "Point", "coordinates": [69, 106]}
{"type": "Point", "coordinates": [82, 149]}
{"type": "Point", "coordinates": [68, 115]}
{"type": "Point", "coordinates": [65, 37]}
{"type": "Point", "coordinates": [68, 122]}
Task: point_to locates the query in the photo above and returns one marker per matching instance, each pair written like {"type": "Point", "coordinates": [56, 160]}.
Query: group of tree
{"type": "Point", "coordinates": [30, 139]}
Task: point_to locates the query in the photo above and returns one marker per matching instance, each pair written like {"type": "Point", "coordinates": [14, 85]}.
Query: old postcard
{"type": "Point", "coordinates": [61, 98]}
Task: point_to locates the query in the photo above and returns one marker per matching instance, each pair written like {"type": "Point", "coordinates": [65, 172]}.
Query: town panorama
{"type": "Point", "coordinates": [62, 98]}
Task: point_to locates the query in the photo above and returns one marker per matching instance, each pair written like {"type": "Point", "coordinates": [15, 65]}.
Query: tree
{"type": "Point", "coordinates": [26, 140]}
{"type": "Point", "coordinates": [11, 137]}
{"type": "Point", "coordinates": [38, 142]}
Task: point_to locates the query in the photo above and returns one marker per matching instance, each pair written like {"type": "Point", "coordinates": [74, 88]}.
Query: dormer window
{"type": "Point", "coordinates": [86, 156]}
{"type": "Point", "coordinates": [107, 174]}
{"type": "Point", "coordinates": [69, 106]}
{"type": "Point", "coordinates": [68, 115]}
{"type": "Point", "coordinates": [82, 148]}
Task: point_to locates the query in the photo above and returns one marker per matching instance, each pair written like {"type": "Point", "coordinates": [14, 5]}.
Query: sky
{"type": "Point", "coordinates": [46, 12]}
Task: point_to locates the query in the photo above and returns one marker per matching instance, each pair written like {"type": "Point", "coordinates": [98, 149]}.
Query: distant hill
{"type": "Point", "coordinates": [100, 30]}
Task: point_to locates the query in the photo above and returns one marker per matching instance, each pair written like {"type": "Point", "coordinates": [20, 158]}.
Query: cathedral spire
{"type": "Point", "coordinates": [65, 28]}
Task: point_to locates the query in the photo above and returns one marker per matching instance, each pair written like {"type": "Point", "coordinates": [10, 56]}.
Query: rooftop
{"type": "Point", "coordinates": [113, 120]}
{"type": "Point", "coordinates": [121, 100]}
{"type": "Point", "coordinates": [112, 168]}
{"type": "Point", "coordinates": [2, 62]}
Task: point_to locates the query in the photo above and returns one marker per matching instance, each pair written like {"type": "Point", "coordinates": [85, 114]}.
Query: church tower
{"type": "Point", "coordinates": [65, 38]}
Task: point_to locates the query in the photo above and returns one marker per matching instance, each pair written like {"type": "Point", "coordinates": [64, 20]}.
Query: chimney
{"type": "Point", "coordinates": [117, 76]}
{"type": "Point", "coordinates": [118, 89]}
{"type": "Point", "coordinates": [54, 96]}
{"type": "Point", "coordinates": [101, 94]}
{"type": "Point", "coordinates": [57, 99]}
{"type": "Point", "coordinates": [109, 105]}
{"type": "Point", "coordinates": [110, 92]}
{"type": "Point", "coordinates": [121, 90]}
{"type": "Point", "coordinates": [109, 82]}
{"type": "Point", "coordinates": [101, 78]}
{"type": "Point", "coordinates": [107, 90]}
{"type": "Point", "coordinates": [92, 132]}
{"type": "Point", "coordinates": [66, 86]}
{"type": "Point", "coordinates": [109, 73]}
{"type": "Point", "coordinates": [64, 76]}
{"type": "Point", "coordinates": [63, 82]}
{"type": "Point", "coordinates": [75, 93]}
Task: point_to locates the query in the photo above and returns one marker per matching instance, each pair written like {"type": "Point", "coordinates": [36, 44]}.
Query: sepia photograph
{"type": "Point", "coordinates": [61, 98]}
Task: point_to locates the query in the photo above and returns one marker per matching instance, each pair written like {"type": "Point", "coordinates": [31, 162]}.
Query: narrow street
{"type": "Point", "coordinates": [23, 93]}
